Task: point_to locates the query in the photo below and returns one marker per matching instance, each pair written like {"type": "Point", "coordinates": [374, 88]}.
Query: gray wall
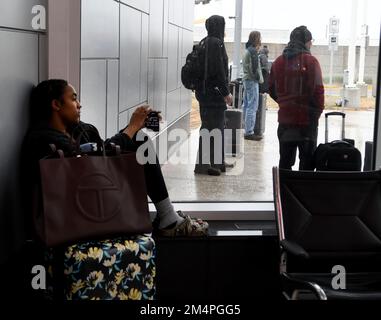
{"type": "Point", "coordinates": [131, 54]}
{"type": "Point", "coordinates": [323, 55]}
{"type": "Point", "coordinates": [22, 65]}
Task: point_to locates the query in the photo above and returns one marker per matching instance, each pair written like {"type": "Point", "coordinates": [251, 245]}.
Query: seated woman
{"type": "Point", "coordinates": [55, 119]}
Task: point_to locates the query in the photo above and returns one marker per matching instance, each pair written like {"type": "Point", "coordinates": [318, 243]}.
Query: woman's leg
{"type": "Point", "coordinates": [255, 103]}
{"type": "Point", "coordinates": [249, 107]}
{"type": "Point", "coordinates": [157, 189]}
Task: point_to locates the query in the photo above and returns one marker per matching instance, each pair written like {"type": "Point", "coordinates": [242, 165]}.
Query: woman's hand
{"type": "Point", "coordinates": [137, 121]}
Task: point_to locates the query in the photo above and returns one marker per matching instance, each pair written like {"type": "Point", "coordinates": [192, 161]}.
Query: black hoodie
{"type": "Point", "coordinates": [217, 69]}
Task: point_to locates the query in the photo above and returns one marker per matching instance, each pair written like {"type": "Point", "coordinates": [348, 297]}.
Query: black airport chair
{"type": "Point", "coordinates": [329, 226]}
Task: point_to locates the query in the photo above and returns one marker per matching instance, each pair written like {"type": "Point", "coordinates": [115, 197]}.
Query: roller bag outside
{"type": "Point", "coordinates": [236, 89]}
{"type": "Point", "coordinates": [260, 121]}
{"type": "Point", "coordinates": [233, 132]}
{"type": "Point", "coordinates": [339, 155]}
{"type": "Point", "coordinates": [368, 156]}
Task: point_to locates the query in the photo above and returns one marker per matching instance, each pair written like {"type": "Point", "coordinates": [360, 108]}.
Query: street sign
{"type": "Point", "coordinates": [334, 24]}
{"type": "Point", "coordinates": [333, 42]}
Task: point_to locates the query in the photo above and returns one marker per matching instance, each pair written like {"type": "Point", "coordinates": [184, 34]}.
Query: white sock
{"type": "Point", "coordinates": [167, 214]}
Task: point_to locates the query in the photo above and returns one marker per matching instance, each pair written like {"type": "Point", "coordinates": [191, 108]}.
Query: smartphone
{"type": "Point", "coordinates": [153, 121]}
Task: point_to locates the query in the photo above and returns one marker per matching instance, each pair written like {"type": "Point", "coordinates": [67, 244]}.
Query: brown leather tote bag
{"type": "Point", "coordinates": [91, 197]}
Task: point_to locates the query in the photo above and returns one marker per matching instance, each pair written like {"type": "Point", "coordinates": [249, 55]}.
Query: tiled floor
{"type": "Point", "coordinates": [251, 179]}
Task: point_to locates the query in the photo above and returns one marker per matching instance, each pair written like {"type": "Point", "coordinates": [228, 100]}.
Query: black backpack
{"type": "Point", "coordinates": [194, 72]}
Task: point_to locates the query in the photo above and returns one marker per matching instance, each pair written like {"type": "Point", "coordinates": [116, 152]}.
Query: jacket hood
{"type": "Point", "coordinates": [216, 27]}
{"type": "Point", "coordinates": [295, 48]}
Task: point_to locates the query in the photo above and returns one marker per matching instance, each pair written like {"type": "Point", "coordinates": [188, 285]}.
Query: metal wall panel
{"type": "Point", "coordinates": [157, 85]}
{"type": "Point", "coordinates": [142, 5]}
{"type": "Point", "coordinates": [19, 72]}
{"type": "Point", "coordinates": [173, 105]}
{"type": "Point", "coordinates": [165, 27]}
{"type": "Point", "coordinates": [43, 57]}
{"type": "Point", "coordinates": [173, 50]}
{"type": "Point", "coordinates": [176, 12]}
{"type": "Point", "coordinates": [100, 29]}
{"type": "Point", "coordinates": [180, 60]}
{"type": "Point", "coordinates": [112, 97]}
{"type": "Point", "coordinates": [123, 120]}
{"type": "Point", "coordinates": [18, 13]}
{"type": "Point", "coordinates": [130, 60]}
{"type": "Point", "coordinates": [93, 93]}
{"type": "Point", "coordinates": [187, 44]}
{"type": "Point", "coordinates": [156, 28]}
{"type": "Point", "coordinates": [144, 59]}
{"type": "Point", "coordinates": [188, 16]}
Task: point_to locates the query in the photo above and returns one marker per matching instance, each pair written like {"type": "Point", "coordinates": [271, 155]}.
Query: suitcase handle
{"type": "Point", "coordinates": [341, 114]}
{"type": "Point", "coordinates": [329, 114]}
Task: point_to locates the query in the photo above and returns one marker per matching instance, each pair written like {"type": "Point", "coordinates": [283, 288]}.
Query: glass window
{"type": "Point", "coordinates": [340, 40]}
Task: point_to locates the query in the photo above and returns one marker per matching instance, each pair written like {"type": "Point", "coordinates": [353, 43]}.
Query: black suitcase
{"type": "Point", "coordinates": [260, 122]}
{"type": "Point", "coordinates": [368, 161]}
{"type": "Point", "coordinates": [339, 155]}
{"type": "Point", "coordinates": [236, 89]}
{"type": "Point", "coordinates": [233, 131]}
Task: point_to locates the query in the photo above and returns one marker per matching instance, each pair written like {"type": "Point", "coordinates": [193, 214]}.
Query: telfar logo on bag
{"type": "Point", "coordinates": [98, 197]}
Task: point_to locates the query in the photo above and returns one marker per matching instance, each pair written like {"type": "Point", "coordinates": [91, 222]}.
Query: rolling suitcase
{"type": "Point", "coordinates": [233, 132]}
{"type": "Point", "coordinates": [339, 155]}
{"type": "Point", "coordinates": [260, 121]}
{"type": "Point", "coordinates": [113, 269]}
{"type": "Point", "coordinates": [236, 89]}
{"type": "Point", "coordinates": [368, 161]}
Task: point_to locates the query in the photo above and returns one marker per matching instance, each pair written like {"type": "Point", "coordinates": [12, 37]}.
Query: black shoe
{"type": "Point", "coordinates": [223, 167]}
{"type": "Point", "coordinates": [229, 165]}
{"type": "Point", "coordinates": [207, 170]}
{"type": "Point", "coordinates": [253, 137]}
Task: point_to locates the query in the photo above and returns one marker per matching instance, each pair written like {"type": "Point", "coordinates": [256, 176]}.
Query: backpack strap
{"type": "Point", "coordinates": [206, 64]}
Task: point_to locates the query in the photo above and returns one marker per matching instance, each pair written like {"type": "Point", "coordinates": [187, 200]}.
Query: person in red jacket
{"type": "Point", "coordinates": [296, 84]}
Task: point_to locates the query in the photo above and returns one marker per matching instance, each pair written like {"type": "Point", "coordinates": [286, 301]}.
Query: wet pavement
{"type": "Point", "coordinates": [251, 179]}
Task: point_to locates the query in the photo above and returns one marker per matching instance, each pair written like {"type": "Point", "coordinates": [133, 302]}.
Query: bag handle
{"type": "Point", "coordinates": [330, 114]}
{"type": "Point", "coordinates": [99, 141]}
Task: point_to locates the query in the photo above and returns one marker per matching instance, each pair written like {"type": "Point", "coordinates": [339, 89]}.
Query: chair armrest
{"type": "Point", "coordinates": [294, 249]}
{"type": "Point", "coordinates": [294, 284]}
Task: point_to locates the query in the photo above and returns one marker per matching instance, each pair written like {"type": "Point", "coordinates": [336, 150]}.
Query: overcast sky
{"type": "Point", "coordinates": [287, 14]}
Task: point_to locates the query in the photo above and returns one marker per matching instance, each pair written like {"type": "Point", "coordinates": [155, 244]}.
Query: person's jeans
{"type": "Point", "coordinates": [293, 138]}
{"type": "Point", "coordinates": [250, 105]}
{"type": "Point", "coordinates": [211, 150]}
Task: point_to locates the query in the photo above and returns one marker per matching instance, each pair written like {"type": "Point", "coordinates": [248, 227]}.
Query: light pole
{"type": "Point", "coordinates": [364, 44]}
{"type": "Point", "coordinates": [237, 39]}
{"type": "Point", "coordinates": [352, 45]}
{"type": "Point", "coordinates": [351, 92]}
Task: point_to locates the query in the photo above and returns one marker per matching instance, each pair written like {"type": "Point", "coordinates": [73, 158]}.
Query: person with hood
{"type": "Point", "coordinates": [265, 66]}
{"type": "Point", "coordinates": [296, 84]}
{"type": "Point", "coordinates": [251, 78]}
{"type": "Point", "coordinates": [55, 119]}
{"type": "Point", "coordinates": [213, 100]}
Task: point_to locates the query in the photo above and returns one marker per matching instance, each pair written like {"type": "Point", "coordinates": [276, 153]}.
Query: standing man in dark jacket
{"type": "Point", "coordinates": [296, 85]}
{"type": "Point", "coordinates": [213, 101]}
